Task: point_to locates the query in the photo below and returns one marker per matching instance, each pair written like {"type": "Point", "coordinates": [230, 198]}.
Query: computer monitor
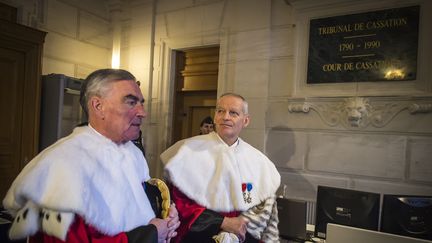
{"type": "Point", "coordinates": [346, 207]}
{"type": "Point", "coordinates": [407, 215]}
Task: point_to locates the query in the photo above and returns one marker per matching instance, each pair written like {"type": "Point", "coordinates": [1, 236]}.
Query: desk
{"type": "Point", "coordinates": [291, 241]}
{"type": "Point", "coordinates": [310, 229]}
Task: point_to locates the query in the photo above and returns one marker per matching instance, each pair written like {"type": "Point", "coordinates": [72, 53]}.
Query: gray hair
{"type": "Point", "coordinates": [97, 84]}
{"type": "Point", "coordinates": [245, 103]}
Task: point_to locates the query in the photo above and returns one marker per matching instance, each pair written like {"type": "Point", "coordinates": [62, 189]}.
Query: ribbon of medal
{"type": "Point", "coordinates": [246, 188]}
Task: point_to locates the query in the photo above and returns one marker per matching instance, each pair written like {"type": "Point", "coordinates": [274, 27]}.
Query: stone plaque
{"type": "Point", "coordinates": [365, 47]}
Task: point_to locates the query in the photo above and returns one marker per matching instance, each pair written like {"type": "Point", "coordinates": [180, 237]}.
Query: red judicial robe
{"type": "Point", "coordinates": [80, 232]}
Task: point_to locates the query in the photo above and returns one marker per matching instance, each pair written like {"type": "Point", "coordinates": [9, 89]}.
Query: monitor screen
{"type": "Point", "coordinates": [407, 215]}
{"type": "Point", "coordinates": [346, 207]}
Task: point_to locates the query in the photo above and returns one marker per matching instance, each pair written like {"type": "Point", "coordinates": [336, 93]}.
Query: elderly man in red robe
{"type": "Point", "coordinates": [224, 188]}
{"type": "Point", "coordinates": [90, 185]}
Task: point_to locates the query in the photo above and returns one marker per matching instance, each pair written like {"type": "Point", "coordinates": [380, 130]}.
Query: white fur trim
{"type": "Point", "coordinates": [26, 222]}
{"type": "Point", "coordinates": [55, 223]}
{"type": "Point", "coordinates": [87, 174]}
{"type": "Point", "coordinates": [211, 173]}
{"type": "Point", "coordinates": [225, 237]}
{"type": "Point", "coordinates": [263, 221]}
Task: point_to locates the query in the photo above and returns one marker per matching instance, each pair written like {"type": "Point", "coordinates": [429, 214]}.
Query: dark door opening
{"type": "Point", "coordinates": [195, 93]}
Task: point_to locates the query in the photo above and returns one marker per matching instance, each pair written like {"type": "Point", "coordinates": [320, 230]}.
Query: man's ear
{"type": "Point", "coordinates": [96, 105]}
{"type": "Point", "coordinates": [246, 121]}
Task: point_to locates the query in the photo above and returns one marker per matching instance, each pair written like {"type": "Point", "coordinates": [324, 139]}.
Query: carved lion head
{"type": "Point", "coordinates": [357, 109]}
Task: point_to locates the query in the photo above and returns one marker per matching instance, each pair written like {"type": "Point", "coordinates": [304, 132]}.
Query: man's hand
{"type": "Point", "coordinates": [236, 225]}
{"type": "Point", "coordinates": [173, 222]}
{"type": "Point", "coordinates": [162, 228]}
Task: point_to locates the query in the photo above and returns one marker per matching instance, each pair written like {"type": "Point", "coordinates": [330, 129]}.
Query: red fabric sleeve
{"type": "Point", "coordinates": [80, 232]}
{"type": "Point", "coordinates": [188, 211]}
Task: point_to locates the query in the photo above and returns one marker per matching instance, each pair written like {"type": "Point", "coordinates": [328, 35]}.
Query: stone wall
{"type": "Point", "coordinates": [306, 130]}
{"type": "Point", "coordinates": [314, 140]}
{"type": "Point", "coordinates": [79, 35]}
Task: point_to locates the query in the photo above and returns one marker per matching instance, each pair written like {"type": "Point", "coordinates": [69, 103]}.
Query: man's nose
{"type": "Point", "coordinates": [141, 111]}
{"type": "Point", "coordinates": [226, 115]}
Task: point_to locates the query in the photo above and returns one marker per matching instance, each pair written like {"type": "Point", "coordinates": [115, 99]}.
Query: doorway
{"type": "Point", "coordinates": [195, 93]}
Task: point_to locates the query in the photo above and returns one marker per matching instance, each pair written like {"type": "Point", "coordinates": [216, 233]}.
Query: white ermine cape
{"type": "Point", "coordinates": [220, 177]}
{"type": "Point", "coordinates": [87, 174]}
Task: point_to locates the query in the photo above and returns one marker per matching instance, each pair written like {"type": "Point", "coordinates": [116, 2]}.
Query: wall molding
{"type": "Point", "coordinates": [360, 112]}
